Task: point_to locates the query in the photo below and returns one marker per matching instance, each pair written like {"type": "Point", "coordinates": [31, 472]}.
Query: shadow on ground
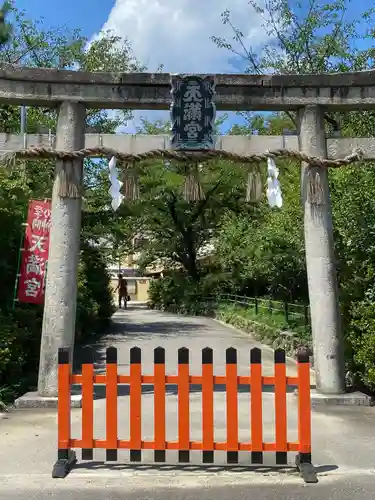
{"type": "Point", "coordinates": [209, 469]}
{"type": "Point", "coordinates": [161, 328]}
{"type": "Point", "coordinates": [129, 330]}
{"type": "Point", "coordinates": [172, 389]}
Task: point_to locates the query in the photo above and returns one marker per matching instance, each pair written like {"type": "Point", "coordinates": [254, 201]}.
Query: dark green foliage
{"type": "Point", "coordinates": [19, 350]}
{"type": "Point", "coordinates": [361, 339]}
{"type": "Point", "coordinates": [264, 252]}
{"type": "Point", "coordinates": [20, 329]}
{"type": "Point", "coordinates": [178, 293]}
{"type": "Point", "coordinates": [320, 39]}
{"type": "Point", "coordinates": [95, 305]}
{"type": "Point", "coordinates": [5, 28]}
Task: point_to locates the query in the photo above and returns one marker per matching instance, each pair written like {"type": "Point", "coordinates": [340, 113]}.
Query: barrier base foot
{"type": "Point", "coordinates": [306, 468]}
{"type": "Point", "coordinates": [63, 466]}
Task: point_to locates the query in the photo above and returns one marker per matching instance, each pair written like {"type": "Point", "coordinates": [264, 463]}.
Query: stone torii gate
{"type": "Point", "coordinates": [73, 92]}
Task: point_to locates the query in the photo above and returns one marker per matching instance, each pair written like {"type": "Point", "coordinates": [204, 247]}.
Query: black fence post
{"type": "Point", "coordinates": [256, 306]}
{"type": "Point", "coordinates": [270, 306]}
{"type": "Point", "coordinates": [286, 312]}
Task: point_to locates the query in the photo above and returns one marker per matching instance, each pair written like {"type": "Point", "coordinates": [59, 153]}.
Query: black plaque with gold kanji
{"type": "Point", "coordinates": [192, 112]}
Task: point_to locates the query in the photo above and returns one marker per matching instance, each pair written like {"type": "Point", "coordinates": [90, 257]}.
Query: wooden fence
{"type": "Point", "coordinates": [207, 380]}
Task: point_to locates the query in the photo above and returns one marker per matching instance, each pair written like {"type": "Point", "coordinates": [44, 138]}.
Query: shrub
{"type": "Point", "coordinates": [19, 350]}
{"type": "Point", "coordinates": [361, 339]}
{"type": "Point", "coordinates": [95, 301]}
{"type": "Point", "coordinates": [177, 293]}
{"type": "Point", "coordinates": [20, 330]}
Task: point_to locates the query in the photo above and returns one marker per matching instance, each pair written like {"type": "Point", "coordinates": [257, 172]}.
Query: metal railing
{"type": "Point", "coordinates": [299, 314]}
{"type": "Point", "coordinates": [290, 311]}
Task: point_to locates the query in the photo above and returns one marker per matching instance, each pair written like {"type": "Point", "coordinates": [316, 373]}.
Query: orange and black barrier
{"type": "Point", "coordinates": [207, 380]}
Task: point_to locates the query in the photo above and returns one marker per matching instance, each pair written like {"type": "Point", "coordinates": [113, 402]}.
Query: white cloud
{"type": "Point", "coordinates": [176, 33]}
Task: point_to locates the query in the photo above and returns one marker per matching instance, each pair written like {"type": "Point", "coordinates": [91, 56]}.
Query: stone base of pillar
{"type": "Point", "coordinates": [33, 400]}
{"type": "Point", "coordinates": [348, 399]}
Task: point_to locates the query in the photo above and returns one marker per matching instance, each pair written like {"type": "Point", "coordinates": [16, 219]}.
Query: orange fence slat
{"type": "Point", "coordinates": [304, 406]}
{"type": "Point", "coordinates": [280, 407]}
{"type": "Point", "coordinates": [174, 445]}
{"type": "Point", "coordinates": [87, 406]}
{"type": "Point", "coordinates": [183, 405]}
{"type": "Point", "coordinates": [159, 404]}
{"type": "Point", "coordinates": [135, 404]}
{"type": "Point", "coordinates": [111, 404]}
{"type": "Point", "coordinates": [232, 405]}
{"type": "Point", "coordinates": [63, 404]}
{"type": "Point", "coordinates": [207, 406]}
{"type": "Point", "coordinates": [256, 413]}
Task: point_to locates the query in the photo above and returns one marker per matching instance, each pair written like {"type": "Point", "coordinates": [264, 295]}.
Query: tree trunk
{"type": "Point", "coordinates": [191, 256]}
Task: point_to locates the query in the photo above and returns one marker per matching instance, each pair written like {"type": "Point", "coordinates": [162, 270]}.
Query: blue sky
{"type": "Point", "coordinates": [175, 33]}
{"type": "Point", "coordinates": [88, 15]}
{"type": "Point", "coordinates": [92, 15]}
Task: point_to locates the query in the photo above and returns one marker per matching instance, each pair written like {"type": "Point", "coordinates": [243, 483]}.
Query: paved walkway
{"type": "Point", "coordinates": [343, 438]}
{"type": "Point", "coordinates": [148, 329]}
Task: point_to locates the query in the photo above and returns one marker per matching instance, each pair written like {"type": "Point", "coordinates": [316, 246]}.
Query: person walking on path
{"type": "Point", "coordinates": [122, 289]}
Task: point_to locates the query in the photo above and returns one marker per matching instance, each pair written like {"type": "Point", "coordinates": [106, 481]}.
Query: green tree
{"type": "Point", "coordinates": [316, 38]}
{"type": "Point", "coordinates": [265, 254]}
{"type": "Point", "coordinates": [156, 127]}
{"type": "Point", "coordinates": [176, 230]}
{"type": "Point", "coordinates": [32, 45]}
{"type": "Point", "coordinates": [274, 124]}
{"type": "Point", "coordinates": [5, 28]}
{"type": "Point", "coordinates": [313, 38]}
{"type": "Point", "coordinates": [171, 230]}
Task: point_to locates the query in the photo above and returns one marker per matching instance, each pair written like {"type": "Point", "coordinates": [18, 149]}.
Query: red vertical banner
{"type": "Point", "coordinates": [34, 259]}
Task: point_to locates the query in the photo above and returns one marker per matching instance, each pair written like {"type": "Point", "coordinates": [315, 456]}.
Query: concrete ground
{"type": "Point", "coordinates": [343, 437]}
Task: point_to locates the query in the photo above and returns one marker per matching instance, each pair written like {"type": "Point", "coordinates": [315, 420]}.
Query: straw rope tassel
{"type": "Point", "coordinates": [131, 183]}
{"type": "Point", "coordinates": [315, 192]}
{"type": "Point", "coordinates": [192, 188]}
{"type": "Point", "coordinates": [254, 188]}
{"type": "Point", "coordinates": [68, 179]}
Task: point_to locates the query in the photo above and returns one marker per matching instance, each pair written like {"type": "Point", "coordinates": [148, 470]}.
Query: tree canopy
{"type": "Point", "coordinates": [319, 37]}
{"type": "Point", "coordinates": [29, 43]}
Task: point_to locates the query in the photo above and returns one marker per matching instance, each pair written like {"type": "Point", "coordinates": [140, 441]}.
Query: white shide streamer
{"type": "Point", "coordinates": [273, 185]}
{"type": "Point", "coordinates": [116, 184]}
